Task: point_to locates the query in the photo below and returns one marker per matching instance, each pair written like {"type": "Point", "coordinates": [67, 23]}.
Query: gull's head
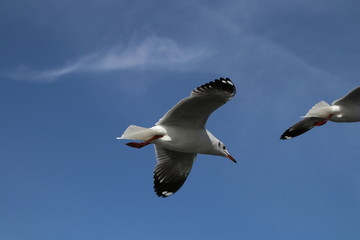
{"type": "Point", "coordinates": [221, 149]}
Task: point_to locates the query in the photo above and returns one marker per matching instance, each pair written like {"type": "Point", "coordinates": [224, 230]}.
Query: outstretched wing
{"type": "Point", "coordinates": [353, 98]}
{"type": "Point", "coordinates": [194, 110]}
{"type": "Point", "coordinates": [171, 170]}
{"type": "Point", "coordinates": [301, 127]}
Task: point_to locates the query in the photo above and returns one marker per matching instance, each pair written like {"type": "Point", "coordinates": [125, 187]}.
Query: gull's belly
{"type": "Point", "coordinates": [185, 140]}
{"type": "Point", "coordinates": [350, 114]}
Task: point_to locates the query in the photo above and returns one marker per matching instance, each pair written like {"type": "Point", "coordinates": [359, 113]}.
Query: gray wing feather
{"type": "Point", "coordinates": [194, 110]}
{"type": "Point", "coordinates": [353, 97]}
{"type": "Point", "coordinates": [171, 170]}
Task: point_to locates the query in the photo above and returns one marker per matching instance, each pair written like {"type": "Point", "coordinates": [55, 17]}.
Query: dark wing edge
{"type": "Point", "coordinates": [171, 171]}
{"type": "Point", "coordinates": [222, 85]}
{"type": "Point", "coordinates": [301, 127]}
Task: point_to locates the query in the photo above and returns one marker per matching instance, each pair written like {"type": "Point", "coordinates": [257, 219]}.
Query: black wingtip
{"type": "Point", "coordinates": [293, 132]}
{"type": "Point", "coordinates": [224, 84]}
{"type": "Point", "coordinates": [160, 190]}
{"type": "Point", "coordinates": [164, 188]}
{"type": "Point", "coordinates": [287, 135]}
{"type": "Point", "coordinates": [302, 127]}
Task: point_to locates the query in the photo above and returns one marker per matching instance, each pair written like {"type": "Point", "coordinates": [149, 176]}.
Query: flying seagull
{"type": "Point", "coordinates": [345, 109]}
{"type": "Point", "coordinates": [181, 134]}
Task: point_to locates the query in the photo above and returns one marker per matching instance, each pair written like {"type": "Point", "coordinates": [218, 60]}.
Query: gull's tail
{"type": "Point", "coordinates": [319, 110]}
{"type": "Point", "coordinates": [138, 133]}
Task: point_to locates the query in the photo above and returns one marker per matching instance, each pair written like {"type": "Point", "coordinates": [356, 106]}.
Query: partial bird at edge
{"type": "Point", "coordinates": [345, 109]}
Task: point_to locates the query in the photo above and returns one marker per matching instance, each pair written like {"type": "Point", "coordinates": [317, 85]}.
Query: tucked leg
{"type": "Point", "coordinates": [322, 122]}
{"type": "Point", "coordinates": [143, 144]}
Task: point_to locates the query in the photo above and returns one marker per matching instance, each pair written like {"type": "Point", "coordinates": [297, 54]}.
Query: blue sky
{"type": "Point", "coordinates": [75, 74]}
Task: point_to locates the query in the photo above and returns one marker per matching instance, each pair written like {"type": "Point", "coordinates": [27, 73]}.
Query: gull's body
{"type": "Point", "coordinates": [181, 134]}
{"type": "Point", "coordinates": [345, 109]}
{"type": "Point", "coordinates": [190, 140]}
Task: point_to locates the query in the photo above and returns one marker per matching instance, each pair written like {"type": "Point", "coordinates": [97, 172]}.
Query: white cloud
{"type": "Point", "coordinates": [153, 52]}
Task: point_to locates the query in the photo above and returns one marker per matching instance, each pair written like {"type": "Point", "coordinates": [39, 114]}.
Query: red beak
{"type": "Point", "coordinates": [231, 158]}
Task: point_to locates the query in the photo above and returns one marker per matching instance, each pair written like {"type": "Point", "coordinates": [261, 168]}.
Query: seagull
{"type": "Point", "coordinates": [345, 109]}
{"type": "Point", "coordinates": [181, 134]}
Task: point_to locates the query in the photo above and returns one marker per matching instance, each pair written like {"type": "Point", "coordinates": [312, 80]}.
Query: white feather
{"type": "Point", "coordinates": [134, 132]}
{"type": "Point", "coordinates": [320, 110]}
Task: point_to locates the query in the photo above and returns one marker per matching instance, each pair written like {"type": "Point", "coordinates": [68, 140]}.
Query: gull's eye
{"type": "Point", "coordinates": [224, 147]}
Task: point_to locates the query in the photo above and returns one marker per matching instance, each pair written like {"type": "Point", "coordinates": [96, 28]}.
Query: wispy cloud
{"type": "Point", "coordinates": [153, 52]}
